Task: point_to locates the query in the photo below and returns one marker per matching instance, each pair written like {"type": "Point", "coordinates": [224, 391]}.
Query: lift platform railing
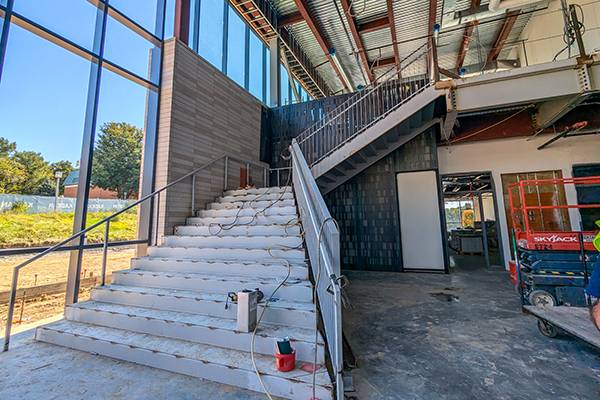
{"type": "Point", "coordinates": [322, 239]}
{"type": "Point", "coordinates": [367, 107]}
{"type": "Point", "coordinates": [155, 197]}
{"type": "Point", "coordinates": [522, 213]}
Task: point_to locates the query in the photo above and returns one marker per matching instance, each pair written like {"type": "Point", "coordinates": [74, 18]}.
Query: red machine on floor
{"type": "Point", "coordinates": [552, 266]}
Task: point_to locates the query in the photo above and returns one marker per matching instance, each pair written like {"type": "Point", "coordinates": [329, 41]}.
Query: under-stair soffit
{"type": "Point", "coordinates": [410, 21]}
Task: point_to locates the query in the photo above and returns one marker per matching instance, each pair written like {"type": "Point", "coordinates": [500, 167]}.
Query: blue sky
{"type": "Point", "coordinates": [44, 87]}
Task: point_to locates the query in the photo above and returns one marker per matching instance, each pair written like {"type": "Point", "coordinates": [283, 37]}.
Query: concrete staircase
{"type": "Point", "coordinates": [168, 311]}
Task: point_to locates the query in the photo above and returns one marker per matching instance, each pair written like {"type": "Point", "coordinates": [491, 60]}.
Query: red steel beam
{"type": "Point", "coordinates": [430, 23]}
{"type": "Point", "coordinates": [464, 47]}
{"type": "Point", "coordinates": [303, 8]}
{"type": "Point", "coordinates": [507, 26]}
{"type": "Point", "coordinates": [182, 20]}
{"type": "Point", "coordinates": [357, 40]}
{"type": "Point", "coordinates": [392, 22]}
{"type": "Point", "coordinates": [375, 25]}
{"type": "Point", "coordinates": [290, 19]}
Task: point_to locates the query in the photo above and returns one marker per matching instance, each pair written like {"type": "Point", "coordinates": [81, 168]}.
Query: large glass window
{"type": "Point", "coordinates": [268, 99]}
{"type": "Point", "coordinates": [284, 86]}
{"type": "Point", "coordinates": [74, 20]}
{"type": "Point", "coordinates": [211, 31]}
{"type": "Point", "coordinates": [127, 49]}
{"type": "Point", "coordinates": [256, 66]}
{"type": "Point", "coordinates": [236, 47]}
{"type": "Point", "coordinates": [141, 11]}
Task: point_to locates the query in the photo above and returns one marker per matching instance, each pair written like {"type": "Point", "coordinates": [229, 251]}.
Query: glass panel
{"type": "Point", "coordinates": [284, 85]}
{"type": "Point", "coordinates": [256, 66]}
{"type": "Point", "coordinates": [211, 31]}
{"type": "Point", "coordinates": [143, 12]}
{"type": "Point", "coordinates": [170, 19]}
{"type": "Point", "coordinates": [127, 49]}
{"type": "Point", "coordinates": [117, 156]}
{"type": "Point", "coordinates": [74, 20]}
{"type": "Point", "coordinates": [236, 46]}
{"type": "Point", "coordinates": [267, 100]}
{"type": "Point", "coordinates": [42, 112]}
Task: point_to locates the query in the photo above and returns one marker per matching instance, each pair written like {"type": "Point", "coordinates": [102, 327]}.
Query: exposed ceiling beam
{"type": "Point", "coordinates": [464, 46]}
{"type": "Point", "coordinates": [449, 74]}
{"type": "Point", "coordinates": [392, 23]}
{"type": "Point", "coordinates": [375, 25]}
{"type": "Point", "coordinates": [466, 40]}
{"type": "Point", "coordinates": [382, 62]}
{"type": "Point", "coordinates": [357, 40]}
{"type": "Point", "coordinates": [303, 8]}
{"type": "Point", "coordinates": [507, 26]}
{"type": "Point", "coordinates": [430, 24]}
{"type": "Point", "coordinates": [290, 19]}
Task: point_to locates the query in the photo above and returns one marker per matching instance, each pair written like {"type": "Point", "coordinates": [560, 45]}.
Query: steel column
{"type": "Point", "coordinates": [87, 150]}
{"type": "Point", "coordinates": [275, 94]}
{"type": "Point", "coordinates": [182, 20]}
{"type": "Point", "coordinates": [4, 34]}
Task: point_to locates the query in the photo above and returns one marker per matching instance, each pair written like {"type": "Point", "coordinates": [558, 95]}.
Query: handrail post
{"type": "Point", "coordinates": [194, 195]}
{"type": "Point", "coordinates": [157, 219]}
{"type": "Point", "coordinates": [105, 252]}
{"type": "Point", "coordinates": [226, 169]}
{"type": "Point", "coordinates": [247, 174]}
{"type": "Point", "coordinates": [11, 308]}
{"type": "Point", "coordinates": [265, 173]}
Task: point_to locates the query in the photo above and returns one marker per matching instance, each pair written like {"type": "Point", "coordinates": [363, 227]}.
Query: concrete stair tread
{"type": "Point", "coordinates": [249, 212]}
{"type": "Point", "coordinates": [222, 230]}
{"type": "Point", "coordinates": [255, 197]}
{"type": "Point", "coordinates": [251, 204]}
{"type": "Point", "coordinates": [195, 252]}
{"type": "Point", "coordinates": [238, 242]}
{"type": "Point", "coordinates": [234, 359]}
{"type": "Point", "coordinates": [225, 278]}
{"type": "Point", "coordinates": [268, 261]}
{"type": "Point", "coordinates": [265, 329]}
{"type": "Point", "coordinates": [195, 295]}
{"type": "Point", "coordinates": [272, 189]}
{"type": "Point", "coordinates": [243, 220]}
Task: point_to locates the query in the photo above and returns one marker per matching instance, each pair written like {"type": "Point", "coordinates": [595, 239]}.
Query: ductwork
{"type": "Point", "coordinates": [497, 5]}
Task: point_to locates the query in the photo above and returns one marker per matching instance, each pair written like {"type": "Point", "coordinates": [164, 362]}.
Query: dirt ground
{"type": "Point", "coordinates": [53, 269]}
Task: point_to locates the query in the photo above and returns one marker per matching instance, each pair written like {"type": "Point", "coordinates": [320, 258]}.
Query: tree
{"type": "Point", "coordinates": [7, 148]}
{"type": "Point", "coordinates": [12, 175]}
{"type": "Point", "coordinates": [39, 175]}
{"type": "Point", "coordinates": [117, 158]}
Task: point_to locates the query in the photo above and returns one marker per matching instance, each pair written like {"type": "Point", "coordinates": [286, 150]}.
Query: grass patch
{"type": "Point", "coordinates": [33, 230]}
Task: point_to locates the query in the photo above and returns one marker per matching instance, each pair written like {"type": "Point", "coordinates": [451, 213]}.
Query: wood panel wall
{"type": "Point", "coordinates": [203, 115]}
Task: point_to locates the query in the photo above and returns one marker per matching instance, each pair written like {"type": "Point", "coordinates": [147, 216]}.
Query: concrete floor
{"type": "Point", "coordinates": [458, 336]}
{"type": "Point", "coordinates": [38, 371]}
{"type": "Point", "coordinates": [416, 336]}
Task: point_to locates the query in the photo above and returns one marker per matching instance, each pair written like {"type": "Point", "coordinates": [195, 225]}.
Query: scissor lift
{"type": "Point", "coordinates": [553, 267]}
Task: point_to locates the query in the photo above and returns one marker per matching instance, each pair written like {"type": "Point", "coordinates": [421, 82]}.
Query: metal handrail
{"type": "Point", "coordinates": [107, 220]}
{"type": "Point", "coordinates": [319, 141]}
{"type": "Point", "coordinates": [322, 240]}
{"type": "Point", "coordinates": [404, 64]}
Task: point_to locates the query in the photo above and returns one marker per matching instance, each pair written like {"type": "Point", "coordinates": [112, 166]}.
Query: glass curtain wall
{"type": "Point", "coordinates": [221, 37]}
{"type": "Point", "coordinates": [79, 83]}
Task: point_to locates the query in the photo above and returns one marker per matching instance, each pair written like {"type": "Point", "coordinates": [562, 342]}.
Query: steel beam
{"type": "Point", "coordinates": [430, 24]}
{"type": "Point", "coordinates": [392, 23]}
{"type": "Point", "coordinates": [357, 40]}
{"type": "Point", "coordinates": [375, 25]}
{"type": "Point", "coordinates": [290, 19]}
{"type": "Point", "coordinates": [464, 47]}
{"type": "Point", "coordinates": [509, 21]}
{"type": "Point", "coordinates": [316, 31]}
{"type": "Point", "coordinates": [526, 85]}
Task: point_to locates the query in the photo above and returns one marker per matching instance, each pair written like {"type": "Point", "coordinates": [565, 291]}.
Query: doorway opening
{"type": "Point", "coordinates": [472, 228]}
